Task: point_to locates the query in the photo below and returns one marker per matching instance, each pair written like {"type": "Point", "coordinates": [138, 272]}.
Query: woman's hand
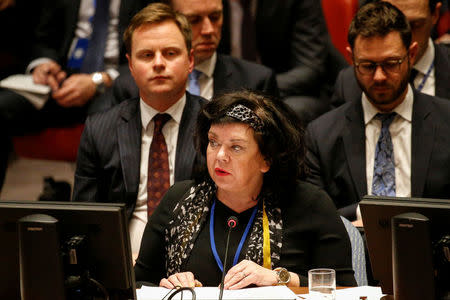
{"type": "Point", "coordinates": [183, 279]}
{"type": "Point", "coordinates": [247, 272]}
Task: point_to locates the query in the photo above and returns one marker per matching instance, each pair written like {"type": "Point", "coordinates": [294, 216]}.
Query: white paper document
{"type": "Point", "coordinates": [371, 292]}
{"type": "Point", "coordinates": [23, 85]}
{"type": "Point", "coordinates": [212, 293]}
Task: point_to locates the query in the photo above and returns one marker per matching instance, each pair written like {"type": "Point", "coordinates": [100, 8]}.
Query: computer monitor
{"type": "Point", "coordinates": [105, 250]}
{"type": "Point", "coordinates": [377, 213]}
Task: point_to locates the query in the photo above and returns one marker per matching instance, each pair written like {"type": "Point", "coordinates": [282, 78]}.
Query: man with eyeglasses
{"type": "Point", "coordinates": [392, 140]}
{"type": "Point", "coordinates": [431, 72]}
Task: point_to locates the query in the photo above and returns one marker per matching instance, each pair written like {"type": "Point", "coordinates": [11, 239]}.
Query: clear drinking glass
{"type": "Point", "coordinates": [322, 284]}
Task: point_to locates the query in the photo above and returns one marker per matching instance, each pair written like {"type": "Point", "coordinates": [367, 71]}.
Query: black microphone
{"type": "Point", "coordinates": [231, 223]}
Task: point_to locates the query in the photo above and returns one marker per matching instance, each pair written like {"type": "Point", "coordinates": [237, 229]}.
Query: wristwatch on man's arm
{"type": "Point", "coordinates": [97, 79]}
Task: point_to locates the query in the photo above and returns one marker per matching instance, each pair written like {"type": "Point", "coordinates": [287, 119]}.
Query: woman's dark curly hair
{"type": "Point", "coordinates": [280, 140]}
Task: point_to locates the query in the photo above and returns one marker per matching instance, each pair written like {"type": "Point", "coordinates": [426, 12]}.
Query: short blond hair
{"type": "Point", "coordinates": [157, 13]}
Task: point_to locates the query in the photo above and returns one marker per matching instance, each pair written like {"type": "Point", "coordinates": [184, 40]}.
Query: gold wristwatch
{"type": "Point", "coordinates": [283, 276]}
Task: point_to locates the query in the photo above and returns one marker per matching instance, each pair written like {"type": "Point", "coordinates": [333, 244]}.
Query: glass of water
{"type": "Point", "coordinates": [322, 284]}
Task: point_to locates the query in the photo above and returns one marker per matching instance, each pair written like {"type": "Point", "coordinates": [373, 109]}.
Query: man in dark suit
{"type": "Point", "coordinates": [361, 147]}
{"type": "Point", "coordinates": [432, 65]}
{"type": "Point", "coordinates": [219, 73]}
{"type": "Point", "coordinates": [291, 38]}
{"type": "Point", "coordinates": [64, 27]}
{"type": "Point", "coordinates": [117, 161]}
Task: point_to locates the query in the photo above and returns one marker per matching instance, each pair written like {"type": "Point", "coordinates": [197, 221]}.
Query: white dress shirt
{"type": "Point", "coordinates": [423, 66]}
{"type": "Point", "coordinates": [206, 79]}
{"type": "Point", "coordinates": [170, 133]}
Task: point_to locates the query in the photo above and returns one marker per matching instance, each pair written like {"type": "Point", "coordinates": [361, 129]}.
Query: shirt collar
{"type": "Point", "coordinates": [207, 67]}
{"type": "Point", "coordinates": [175, 111]}
{"type": "Point", "coordinates": [404, 109]}
{"type": "Point", "coordinates": [424, 63]}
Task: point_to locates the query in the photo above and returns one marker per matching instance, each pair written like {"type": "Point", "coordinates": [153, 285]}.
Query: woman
{"type": "Point", "coordinates": [254, 152]}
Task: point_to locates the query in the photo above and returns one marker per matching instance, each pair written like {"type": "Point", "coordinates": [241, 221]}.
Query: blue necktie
{"type": "Point", "coordinates": [383, 183]}
{"type": "Point", "coordinates": [194, 86]}
{"type": "Point", "coordinates": [95, 54]}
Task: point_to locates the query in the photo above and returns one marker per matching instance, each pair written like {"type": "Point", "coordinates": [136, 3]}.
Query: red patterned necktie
{"type": "Point", "coordinates": [158, 165]}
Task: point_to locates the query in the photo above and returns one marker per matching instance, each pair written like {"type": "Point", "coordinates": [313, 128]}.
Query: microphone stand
{"type": "Point", "coordinates": [232, 222]}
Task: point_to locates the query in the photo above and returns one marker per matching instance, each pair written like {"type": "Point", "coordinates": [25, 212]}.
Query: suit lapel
{"type": "Point", "coordinates": [442, 67]}
{"type": "Point", "coordinates": [355, 146]}
{"type": "Point", "coordinates": [423, 131]}
{"type": "Point", "coordinates": [185, 153]}
{"type": "Point", "coordinates": [129, 140]}
{"type": "Point", "coordinates": [221, 75]}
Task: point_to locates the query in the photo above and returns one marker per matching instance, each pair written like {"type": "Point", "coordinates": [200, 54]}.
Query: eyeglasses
{"type": "Point", "coordinates": [390, 66]}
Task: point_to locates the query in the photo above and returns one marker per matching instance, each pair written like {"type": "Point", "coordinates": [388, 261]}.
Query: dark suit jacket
{"type": "Point", "coordinates": [229, 74]}
{"type": "Point", "coordinates": [56, 29]}
{"type": "Point", "coordinates": [291, 39]}
{"type": "Point", "coordinates": [347, 89]}
{"type": "Point", "coordinates": [232, 74]}
{"type": "Point", "coordinates": [108, 162]}
{"type": "Point", "coordinates": [336, 152]}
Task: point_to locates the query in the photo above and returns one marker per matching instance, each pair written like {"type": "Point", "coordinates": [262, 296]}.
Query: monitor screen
{"type": "Point", "coordinates": [103, 226]}
{"type": "Point", "coordinates": [377, 212]}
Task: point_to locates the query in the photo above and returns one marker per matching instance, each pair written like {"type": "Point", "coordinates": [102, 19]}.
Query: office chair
{"type": "Point", "coordinates": [358, 254]}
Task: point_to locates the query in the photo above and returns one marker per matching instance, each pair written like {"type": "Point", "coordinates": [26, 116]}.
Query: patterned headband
{"type": "Point", "coordinates": [246, 115]}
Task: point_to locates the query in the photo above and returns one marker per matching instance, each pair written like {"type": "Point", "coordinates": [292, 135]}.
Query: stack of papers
{"type": "Point", "coordinates": [23, 85]}
{"type": "Point", "coordinates": [212, 293]}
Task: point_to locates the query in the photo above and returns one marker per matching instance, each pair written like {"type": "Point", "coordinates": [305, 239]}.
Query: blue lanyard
{"type": "Point", "coordinates": [241, 243]}
{"type": "Point", "coordinates": [424, 79]}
